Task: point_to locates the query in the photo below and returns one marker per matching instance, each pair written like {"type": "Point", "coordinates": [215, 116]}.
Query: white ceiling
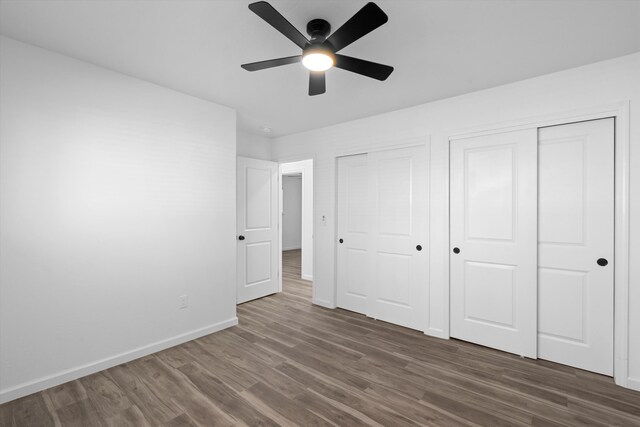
{"type": "Point", "coordinates": [439, 48]}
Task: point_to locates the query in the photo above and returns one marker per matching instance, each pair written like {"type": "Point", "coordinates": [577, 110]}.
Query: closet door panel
{"type": "Point", "coordinates": [493, 235]}
{"type": "Point", "coordinates": [353, 228]}
{"type": "Point", "coordinates": [576, 208]}
{"type": "Point", "coordinates": [399, 243]}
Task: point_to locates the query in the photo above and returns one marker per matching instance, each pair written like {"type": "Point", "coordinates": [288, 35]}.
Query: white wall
{"type": "Point", "coordinates": [116, 197]}
{"type": "Point", "coordinates": [305, 167]}
{"type": "Point", "coordinates": [594, 85]}
{"type": "Point", "coordinates": [252, 145]}
{"type": "Point", "coordinates": [291, 212]}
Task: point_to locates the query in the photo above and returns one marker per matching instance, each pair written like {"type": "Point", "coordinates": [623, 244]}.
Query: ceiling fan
{"type": "Point", "coordinates": [320, 53]}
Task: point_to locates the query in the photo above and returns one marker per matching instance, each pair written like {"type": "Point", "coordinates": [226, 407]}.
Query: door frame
{"type": "Point", "coordinates": [302, 169]}
{"type": "Point", "coordinates": [620, 112]}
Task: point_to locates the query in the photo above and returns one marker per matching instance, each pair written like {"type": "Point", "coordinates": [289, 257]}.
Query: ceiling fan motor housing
{"type": "Point", "coordinates": [318, 30]}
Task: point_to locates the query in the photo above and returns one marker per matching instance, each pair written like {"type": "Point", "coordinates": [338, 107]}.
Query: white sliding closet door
{"type": "Point", "coordinates": [576, 241]}
{"type": "Point", "coordinates": [354, 224]}
{"type": "Point", "coordinates": [399, 255]}
{"type": "Point", "coordinates": [257, 226]}
{"type": "Point", "coordinates": [493, 235]}
{"type": "Point", "coordinates": [383, 248]}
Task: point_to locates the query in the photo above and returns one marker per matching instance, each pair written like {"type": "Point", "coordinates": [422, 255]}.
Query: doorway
{"type": "Point", "coordinates": [291, 226]}
{"type": "Point", "coordinates": [296, 230]}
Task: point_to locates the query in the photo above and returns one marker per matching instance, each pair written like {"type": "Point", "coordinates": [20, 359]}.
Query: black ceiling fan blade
{"type": "Point", "coordinates": [366, 68]}
{"type": "Point", "coordinates": [270, 63]}
{"type": "Point", "coordinates": [265, 11]}
{"type": "Point", "coordinates": [317, 83]}
{"type": "Point", "coordinates": [362, 23]}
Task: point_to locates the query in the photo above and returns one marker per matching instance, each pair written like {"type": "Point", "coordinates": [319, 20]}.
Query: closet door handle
{"type": "Point", "coordinates": [419, 248]}
{"type": "Point", "coordinates": [341, 241]}
{"type": "Point", "coordinates": [456, 251]}
{"type": "Point", "coordinates": [602, 262]}
{"type": "Point", "coordinates": [241, 237]}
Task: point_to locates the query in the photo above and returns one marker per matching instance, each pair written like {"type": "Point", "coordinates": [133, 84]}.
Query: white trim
{"type": "Point", "coordinates": [583, 114]}
{"type": "Point", "coordinates": [292, 248]}
{"type": "Point", "coordinates": [438, 333]}
{"type": "Point", "coordinates": [334, 285]}
{"type": "Point", "coordinates": [621, 113]}
{"type": "Point", "coordinates": [428, 230]}
{"type": "Point", "coordinates": [446, 330]}
{"type": "Point", "coordinates": [280, 210]}
{"type": "Point", "coordinates": [314, 299]}
{"type": "Point", "coordinates": [40, 384]}
{"type": "Point", "coordinates": [621, 248]}
{"type": "Point", "coordinates": [304, 172]}
{"type": "Point", "coordinates": [397, 144]}
{"type": "Point", "coordinates": [323, 303]}
{"type": "Point", "coordinates": [633, 383]}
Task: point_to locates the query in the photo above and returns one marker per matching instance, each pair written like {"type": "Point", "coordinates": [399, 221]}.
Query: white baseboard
{"type": "Point", "coordinates": [323, 303]}
{"type": "Point", "coordinates": [40, 384]}
{"type": "Point", "coordinates": [438, 333]}
{"type": "Point", "coordinates": [294, 248]}
{"type": "Point", "coordinates": [307, 277]}
{"type": "Point", "coordinates": [633, 383]}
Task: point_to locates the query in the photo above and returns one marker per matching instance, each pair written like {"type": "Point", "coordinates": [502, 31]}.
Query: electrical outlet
{"type": "Point", "coordinates": [184, 301]}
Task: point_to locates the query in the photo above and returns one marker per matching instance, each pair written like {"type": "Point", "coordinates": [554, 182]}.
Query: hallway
{"type": "Point", "coordinates": [291, 273]}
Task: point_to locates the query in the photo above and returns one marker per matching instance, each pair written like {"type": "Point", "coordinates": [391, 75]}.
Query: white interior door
{"type": "Point", "coordinates": [493, 235]}
{"type": "Point", "coordinates": [399, 255]}
{"type": "Point", "coordinates": [575, 229]}
{"type": "Point", "coordinates": [353, 228]}
{"type": "Point", "coordinates": [257, 227]}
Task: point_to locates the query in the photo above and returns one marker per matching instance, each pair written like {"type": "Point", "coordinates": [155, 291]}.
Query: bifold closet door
{"type": "Point", "coordinates": [353, 228]}
{"type": "Point", "coordinates": [399, 255]}
{"type": "Point", "coordinates": [576, 241]}
{"type": "Point", "coordinates": [493, 237]}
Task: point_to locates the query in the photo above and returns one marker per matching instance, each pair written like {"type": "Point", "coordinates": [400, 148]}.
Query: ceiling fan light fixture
{"type": "Point", "coordinates": [319, 53]}
{"type": "Point", "coordinates": [318, 60]}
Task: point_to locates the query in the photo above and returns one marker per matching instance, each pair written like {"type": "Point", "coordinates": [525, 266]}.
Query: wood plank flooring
{"type": "Point", "coordinates": [291, 363]}
{"type": "Point", "coordinates": [292, 270]}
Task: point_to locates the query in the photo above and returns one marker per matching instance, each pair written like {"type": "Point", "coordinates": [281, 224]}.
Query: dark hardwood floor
{"type": "Point", "coordinates": [291, 363]}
